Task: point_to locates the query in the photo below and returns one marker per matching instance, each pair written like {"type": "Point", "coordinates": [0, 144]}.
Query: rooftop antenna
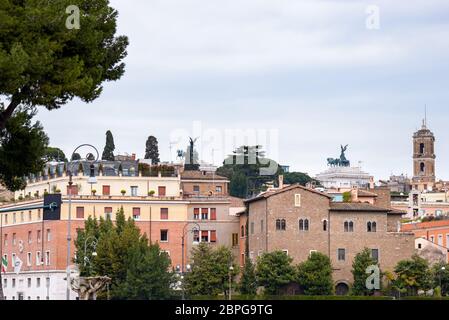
{"type": "Point", "coordinates": [425, 116]}
{"type": "Point", "coordinates": [170, 146]}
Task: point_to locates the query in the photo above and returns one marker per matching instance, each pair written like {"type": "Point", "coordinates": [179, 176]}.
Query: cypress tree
{"type": "Point", "coordinates": [152, 150]}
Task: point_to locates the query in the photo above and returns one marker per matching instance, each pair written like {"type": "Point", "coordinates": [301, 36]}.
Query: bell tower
{"type": "Point", "coordinates": [423, 159]}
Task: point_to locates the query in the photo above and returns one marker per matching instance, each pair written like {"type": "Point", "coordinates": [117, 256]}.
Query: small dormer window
{"type": "Point", "coordinates": [297, 200]}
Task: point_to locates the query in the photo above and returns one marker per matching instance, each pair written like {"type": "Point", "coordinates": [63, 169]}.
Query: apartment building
{"type": "Point", "coordinates": [155, 202]}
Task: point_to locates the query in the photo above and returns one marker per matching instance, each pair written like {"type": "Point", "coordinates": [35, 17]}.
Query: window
{"type": "Point", "coordinates": [324, 225]}
{"type": "Point", "coordinates": [235, 239]}
{"type": "Point", "coordinates": [39, 236]}
{"type": "Point", "coordinates": [422, 167]}
{"type": "Point", "coordinates": [440, 240]}
{"type": "Point", "coordinates": [14, 239]}
{"type": "Point", "coordinates": [204, 214]}
{"type": "Point", "coordinates": [48, 235]}
{"type": "Point", "coordinates": [29, 282]}
{"type": "Point", "coordinates": [301, 225]}
{"type": "Point", "coordinates": [164, 213]}
{"type": "Point", "coordinates": [204, 236]}
{"type": "Point", "coordinates": [14, 217]}
{"type": "Point", "coordinates": [349, 226]}
{"type": "Point", "coordinates": [5, 284]}
{"type": "Point", "coordinates": [213, 214]}
{"type": "Point", "coordinates": [261, 226]}
{"type": "Point", "coordinates": [47, 258]}
{"type": "Point", "coordinates": [432, 239]}
{"type": "Point", "coordinates": [196, 236]}
{"type": "Point", "coordinates": [196, 213]}
{"type": "Point", "coordinates": [47, 282]}
{"type": "Point", "coordinates": [38, 214]}
{"type": "Point", "coordinates": [136, 213]}
{"type": "Point", "coordinates": [5, 240]}
{"type": "Point", "coordinates": [281, 225]}
{"type": "Point", "coordinates": [341, 254]}
{"type": "Point", "coordinates": [164, 235]}
{"type": "Point", "coordinates": [30, 216]}
{"type": "Point", "coordinates": [213, 236]}
{"type": "Point", "coordinates": [108, 212]}
{"type": "Point", "coordinates": [13, 283]}
{"type": "Point", "coordinates": [73, 190]}
{"type": "Point", "coordinates": [421, 148]}
{"type": "Point", "coordinates": [29, 259]}
{"type": "Point", "coordinates": [196, 189]}
{"type": "Point", "coordinates": [6, 218]}
{"type": "Point", "coordinates": [106, 190]}
{"type": "Point", "coordinates": [38, 282]}
{"type": "Point", "coordinates": [38, 258]}
{"type": "Point", "coordinates": [80, 212]}
{"type": "Point", "coordinates": [161, 191]}
{"type": "Point", "coordinates": [285, 251]}
{"type": "Point", "coordinates": [306, 225]}
{"type": "Point", "coordinates": [297, 200]}
{"type": "Point", "coordinates": [13, 259]}
{"type": "Point", "coordinates": [375, 255]}
{"type": "Point", "coordinates": [242, 231]}
{"type": "Point", "coordinates": [371, 226]}
{"type": "Point", "coordinates": [218, 189]}
{"type": "Point", "coordinates": [22, 219]}
{"type": "Point", "coordinates": [134, 191]}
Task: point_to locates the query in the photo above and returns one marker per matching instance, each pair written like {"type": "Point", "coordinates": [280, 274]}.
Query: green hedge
{"type": "Point", "coordinates": [243, 297]}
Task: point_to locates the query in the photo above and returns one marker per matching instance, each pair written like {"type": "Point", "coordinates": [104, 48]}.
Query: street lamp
{"type": "Point", "coordinates": [231, 270]}
{"type": "Point", "coordinates": [92, 179]}
{"type": "Point", "coordinates": [94, 246]}
{"type": "Point", "coordinates": [442, 270]}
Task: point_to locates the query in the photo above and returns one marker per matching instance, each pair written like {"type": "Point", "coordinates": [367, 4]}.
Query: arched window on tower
{"type": "Point", "coordinates": [422, 167]}
{"type": "Point", "coordinates": [421, 148]}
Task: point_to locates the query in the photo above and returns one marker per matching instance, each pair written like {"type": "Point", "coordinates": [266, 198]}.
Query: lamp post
{"type": "Point", "coordinates": [231, 270]}
{"type": "Point", "coordinates": [69, 221]}
{"type": "Point", "coordinates": [94, 246]}
{"type": "Point", "coordinates": [441, 271]}
{"type": "Point", "coordinates": [184, 231]}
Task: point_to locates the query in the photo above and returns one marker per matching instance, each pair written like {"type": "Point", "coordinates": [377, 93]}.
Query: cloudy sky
{"type": "Point", "coordinates": [306, 76]}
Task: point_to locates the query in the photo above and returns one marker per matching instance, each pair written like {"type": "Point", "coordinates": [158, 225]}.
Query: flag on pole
{"type": "Point", "coordinates": [4, 264]}
{"type": "Point", "coordinates": [17, 265]}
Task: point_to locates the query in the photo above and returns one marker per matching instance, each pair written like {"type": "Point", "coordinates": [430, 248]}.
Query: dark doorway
{"type": "Point", "coordinates": [342, 289]}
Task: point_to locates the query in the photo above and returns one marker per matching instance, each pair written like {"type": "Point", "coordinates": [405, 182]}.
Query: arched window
{"type": "Point", "coordinates": [324, 225]}
{"type": "Point", "coordinates": [278, 224]}
{"type": "Point", "coordinates": [374, 227]}
{"type": "Point", "coordinates": [351, 226]}
{"type": "Point", "coordinates": [283, 224]}
{"type": "Point", "coordinates": [421, 148]}
{"type": "Point", "coordinates": [306, 225]}
{"type": "Point", "coordinates": [243, 231]}
{"type": "Point", "coordinates": [368, 226]}
{"type": "Point", "coordinates": [346, 226]}
{"type": "Point", "coordinates": [301, 225]}
{"type": "Point", "coordinates": [423, 167]}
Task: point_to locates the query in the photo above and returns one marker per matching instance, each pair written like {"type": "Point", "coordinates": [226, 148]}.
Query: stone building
{"type": "Point", "coordinates": [298, 221]}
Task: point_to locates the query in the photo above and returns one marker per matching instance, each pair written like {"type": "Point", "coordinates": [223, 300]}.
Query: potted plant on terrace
{"type": "Point", "coordinates": [123, 192]}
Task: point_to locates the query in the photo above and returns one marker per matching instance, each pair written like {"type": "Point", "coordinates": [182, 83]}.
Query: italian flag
{"type": "Point", "coordinates": [4, 264]}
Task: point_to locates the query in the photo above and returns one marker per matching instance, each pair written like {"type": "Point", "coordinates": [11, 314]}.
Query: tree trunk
{"type": "Point", "coordinates": [5, 115]}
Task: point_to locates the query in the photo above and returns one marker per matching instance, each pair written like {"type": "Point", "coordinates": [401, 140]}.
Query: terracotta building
{"type": "Point", "coordinates": [436, 232]}
{"type": "Point", "coordinates": [298, 221]}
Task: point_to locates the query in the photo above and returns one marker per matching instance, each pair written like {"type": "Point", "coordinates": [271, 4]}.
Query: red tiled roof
{"type": "Point", "coordinates": [361, 207]}
{"type": "Point", "coordinates": [271, 193]}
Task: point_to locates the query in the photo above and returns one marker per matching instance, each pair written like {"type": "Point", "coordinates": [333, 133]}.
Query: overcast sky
{"type": "Point", "coordinates": [312, 72]}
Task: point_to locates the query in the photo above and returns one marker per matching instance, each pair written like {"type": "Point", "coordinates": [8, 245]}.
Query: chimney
{"type": "Point", "coordinates": [371, 183]}
{"type": "Point", "coordinates": [281, 181]}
